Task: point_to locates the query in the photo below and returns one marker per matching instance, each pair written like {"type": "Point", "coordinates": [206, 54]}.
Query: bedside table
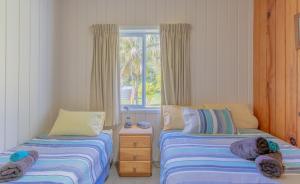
{"type": "Point", "coordinates": [135, 151]}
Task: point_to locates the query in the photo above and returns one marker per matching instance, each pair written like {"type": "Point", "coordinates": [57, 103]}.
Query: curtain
{"type": "Point", "coordinates": [104, 92]}
{"type": "Point", "coordinates": [175, 64]}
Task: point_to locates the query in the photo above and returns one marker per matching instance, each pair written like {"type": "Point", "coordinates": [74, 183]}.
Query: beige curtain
{"type": "Point", "coordinates": [175, 63]}
{"type": "Point", "coordinates": [104, 80]}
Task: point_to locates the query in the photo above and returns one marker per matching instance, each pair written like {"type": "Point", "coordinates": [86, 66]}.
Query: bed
{"type": "Point", "coordinates": [67, 159]}
{"type": "Point", "coordinates": [200, 159]}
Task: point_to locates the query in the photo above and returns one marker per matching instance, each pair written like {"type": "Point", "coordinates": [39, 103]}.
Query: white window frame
{"type": "Point", "coordinates": [139, 32]}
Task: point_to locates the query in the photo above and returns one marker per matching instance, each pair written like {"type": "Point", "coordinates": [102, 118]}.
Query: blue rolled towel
{"type": "Point", "coordinates": [18, 155]}
{"type": "Point", "coordinates": [273, 146]}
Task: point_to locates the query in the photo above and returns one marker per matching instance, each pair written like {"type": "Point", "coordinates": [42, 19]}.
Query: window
{"type": "Point", "coordinates": [140, 73]}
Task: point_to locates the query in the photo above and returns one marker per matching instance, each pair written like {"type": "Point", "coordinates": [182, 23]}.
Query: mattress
{"type": "Point", "coordinates": [193, 159]}
{"type": "Point", "coordinates": [67, 159]}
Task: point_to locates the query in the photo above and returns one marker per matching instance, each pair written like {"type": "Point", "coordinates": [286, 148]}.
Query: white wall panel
{"type": "Point", "coordinates": [2, 71]}
{"type": "Point", "coordinates": [221, 43]}
{"type": "Point", "coordinates": [221, 46]}
{"type": "Point", "coordinates": [12, 71]}
{"type": "Point", "coordinates": [24, 73]}
{"type": "Point", "coordinates": [26, 70]}
{"type": "Point", "coordinates": [34, 66]}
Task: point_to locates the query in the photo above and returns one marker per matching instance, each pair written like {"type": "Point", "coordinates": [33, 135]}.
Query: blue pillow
{"type": "Point", "coordinates": [208, 121]}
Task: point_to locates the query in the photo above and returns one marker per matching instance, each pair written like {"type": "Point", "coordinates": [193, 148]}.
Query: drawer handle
{"type": "Point", "coordinates": [134, 157]}
{"type": "Point", "coordinates": [134, 170]}
{"type": "Point", "coordinates": [134, 144]}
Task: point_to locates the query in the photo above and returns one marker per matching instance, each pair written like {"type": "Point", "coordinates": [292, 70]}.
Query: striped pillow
{"type": "Point", "coordinates": [208, 121]}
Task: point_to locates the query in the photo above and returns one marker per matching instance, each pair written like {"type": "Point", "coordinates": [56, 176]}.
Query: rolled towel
{"type": "Point", "coordinates": [18, 155]}
{"type": "Point", "coordinates": [270, 165]}
{"type": "Point", "coordinates": [15, 170]}
{"type": "Point", "coordinates": [250, 148]}
{"type": "Point", "coordinates": [273, 146]}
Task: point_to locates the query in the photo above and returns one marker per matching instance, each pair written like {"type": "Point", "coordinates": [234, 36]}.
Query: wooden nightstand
{"type": "Point", "coordinates": [135, 152]}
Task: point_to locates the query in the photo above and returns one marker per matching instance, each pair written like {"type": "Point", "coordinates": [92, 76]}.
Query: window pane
{"type": "Point", "coordinates": [131, 70]}
{"type": "Point", "coordinates": [153, 74]}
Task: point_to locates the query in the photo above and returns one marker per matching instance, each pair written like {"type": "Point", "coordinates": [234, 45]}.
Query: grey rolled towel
{"type": "Point", "coordinates": [270, 165]}
{"type": "Point", "coordinates": [250, 148]}
{"type": "Point", "coordinates": [15, 170]}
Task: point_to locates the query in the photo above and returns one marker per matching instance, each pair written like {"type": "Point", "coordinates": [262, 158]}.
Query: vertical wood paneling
{"type": "Point", "coordinates": [271, 62]}
{"type": "Point", "coordinates": [82, 45]}
{"type": "Point", "coordinates": [250, 52]}
{"type": "Point", "coordinates": [190, 16]}
{"type": "Point", "coordinates": [275, 74]}
{"type": "Point", "coordinates": [263, 90]}
{"type": "Point", "coordinates": [291, 70]}
{"type": "Point", "coordinates": [2, 72]}
{"type": "Point", "coordinates": [260, 63]}
{"type": "Point", "coordinates": [24, 73]}
{"type": "Point", "coordinates": [151, 12]}
{"type": "Point", "coordinates": [49, 66]}
{"type": "Point", "coordinates": [211, 66]}
{"type": "Point", "coordinates": [130, 12]}
{"type": "Point", "coordinates": [199, 51]}
{"type": "Point", "coordinates": [298, 92]}
{"type": "Point", "coordinates": [34, 64]}
{"type": "Point", "coordinates": [45, 85]}
{"type": "Point", "coordinates": [140, 9]}
{"type": "Point", "coordinates": [279, 125]}
{"type": "Point", "coordinates": [230, 69]}
{"type": "Point", "coordinates": [227, 15]}
{"type": "Point", "coordinates": [243, 53]}
{"type": "Point", "coordinates": [161, 11]}
{"type": "Point", "coordinates": [170, 11]}
{"type": "Point", "coordinates": [26, 70]}
{"type": "Point", "coordinates": [12, 71]}
{"type": "Point", "coordinates": [256, 56]}
{"type": "Point", "coordinates": [111, 11]}
{"type": "Point", "coordinates": [101, 10]}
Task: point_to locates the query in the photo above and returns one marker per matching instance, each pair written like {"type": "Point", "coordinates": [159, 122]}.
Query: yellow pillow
{"type": "Point", "coordinates": [241, 114]}
{"type": "Point", "coordinates": [172, 117]}
{"type": "Point", "coordinates": [78, 123]}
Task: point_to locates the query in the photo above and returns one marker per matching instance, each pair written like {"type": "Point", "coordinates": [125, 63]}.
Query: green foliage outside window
{"type": "Point", "coordinates": [131, 70]}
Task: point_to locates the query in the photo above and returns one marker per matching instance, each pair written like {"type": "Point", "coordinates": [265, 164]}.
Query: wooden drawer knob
{"type": "Point", "coordinates": [134, 157]}
{"type": "Point", "coordinates": [134, 170]}
{"type": "Point", "coordinates": [134, 144]}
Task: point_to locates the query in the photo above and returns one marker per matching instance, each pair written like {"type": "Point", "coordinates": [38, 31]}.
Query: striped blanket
{"type": "Point", "coordinates": [67, 159]}
{"type": "Point", "coordinates": [193, 159]}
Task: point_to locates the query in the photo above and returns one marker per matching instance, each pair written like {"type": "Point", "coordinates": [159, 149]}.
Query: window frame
{"type": "Point", "coordinates": [141, 33]}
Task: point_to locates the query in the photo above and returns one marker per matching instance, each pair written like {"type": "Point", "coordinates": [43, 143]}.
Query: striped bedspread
{"type": "Point", "coordinates": [67, 159]}
{"type": "Point", "coordinates": [199, 159]}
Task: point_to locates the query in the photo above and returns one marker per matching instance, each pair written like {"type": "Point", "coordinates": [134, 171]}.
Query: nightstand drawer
{"type": "Point", "coordinates": [135, 154]}
{"type": "Point", "coordinates": [137, 168]}
{"type": "Point", "coordinates": [135, 141]}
